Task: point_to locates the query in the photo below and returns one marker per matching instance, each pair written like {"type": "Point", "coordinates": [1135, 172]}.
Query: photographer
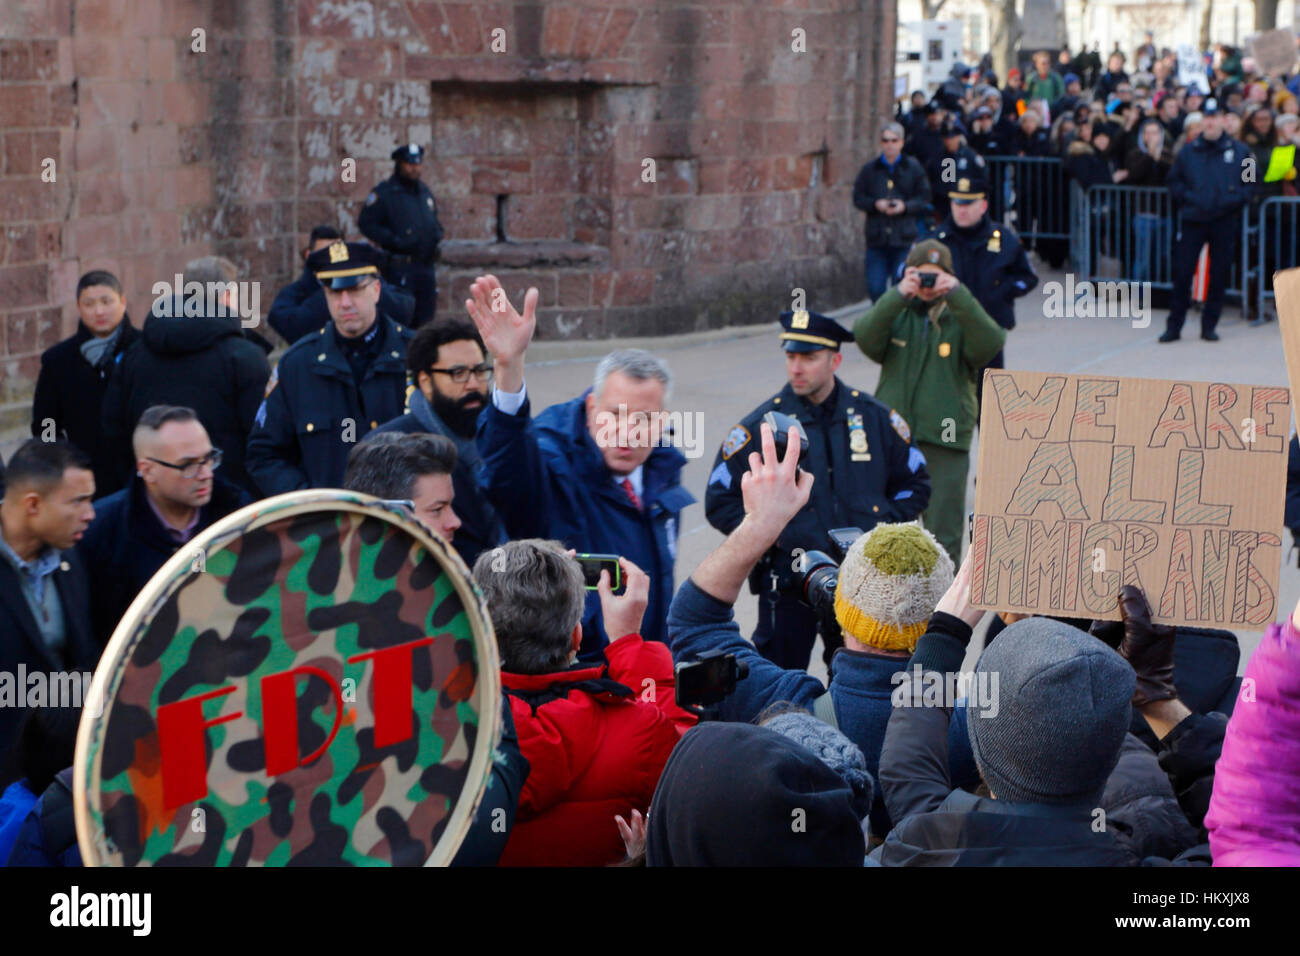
{"type": "Point", "coordinates": [595, 737]}
{"type": "Point", "coordinates": [931, 337]}
{"type": "Point", "coordinates": [890, 581]}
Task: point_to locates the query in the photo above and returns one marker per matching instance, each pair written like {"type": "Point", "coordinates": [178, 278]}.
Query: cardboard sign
{"type": "Point", "coordinates": [1191, 68]}
{"type": "Point", "coordinates": [1274, 52]}
{"type": "Point", "coordinates": [1090, 482]}
{"type": "Point", "coordinates": [313, 680]}
{"type": "Point", "coordinates": [1286, 288]}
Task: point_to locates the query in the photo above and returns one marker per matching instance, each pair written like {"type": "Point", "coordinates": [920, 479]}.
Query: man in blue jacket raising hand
{"type": "Point", "coordinates": [595, 472]}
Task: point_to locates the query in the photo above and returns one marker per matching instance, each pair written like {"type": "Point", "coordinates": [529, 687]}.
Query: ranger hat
{"type": "Point", "coordinates": [804, 331]}
{"type": "Point", "coordinates": [342, 265]}
{"type": "Point", "coordinates": [930, 252]}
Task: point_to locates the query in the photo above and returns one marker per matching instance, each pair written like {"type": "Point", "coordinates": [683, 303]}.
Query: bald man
{"type": "Point", "coordinates": [174, 495]}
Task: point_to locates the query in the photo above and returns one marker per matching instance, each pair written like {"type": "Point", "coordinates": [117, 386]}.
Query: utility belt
{"type": "Point", "coordinates": [396, 261]}
{"type": "Point", "coordinates": [773, 573]}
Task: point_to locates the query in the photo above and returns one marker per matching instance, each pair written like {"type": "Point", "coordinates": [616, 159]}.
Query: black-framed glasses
{"type": "Point", "coordinates": [461, 373]}
{"type": "Point", "coordinates": [191, 469]}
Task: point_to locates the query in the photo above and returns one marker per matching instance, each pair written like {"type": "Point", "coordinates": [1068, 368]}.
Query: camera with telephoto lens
{"type": "Point", "coordinates": [817, 574]}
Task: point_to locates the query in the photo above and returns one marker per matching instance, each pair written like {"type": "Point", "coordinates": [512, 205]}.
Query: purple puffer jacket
{"type": "Point", "coordinates": [1254, 816]}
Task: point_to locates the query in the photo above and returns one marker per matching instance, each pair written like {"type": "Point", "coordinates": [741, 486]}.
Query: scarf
{"type": "Point", "coordinates": [96, 350]}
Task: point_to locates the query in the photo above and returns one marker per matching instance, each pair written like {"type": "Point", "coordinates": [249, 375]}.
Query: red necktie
{"type": "Point", "coordinates": [631, 493]}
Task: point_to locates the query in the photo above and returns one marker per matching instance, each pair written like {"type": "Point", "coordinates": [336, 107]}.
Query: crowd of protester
{"type": "Point", "coordinates": [1126, 123]}
{"type": "Point", "coordinates": [143, 439]}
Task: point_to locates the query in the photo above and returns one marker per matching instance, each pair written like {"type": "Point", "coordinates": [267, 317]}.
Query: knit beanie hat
{"type": "Point", "coordinates": [1060, 710]}
{"type": "Point", "coordinates": [890, 581]}
{"type": "Point", "coordinates": [833, 748]}
{"type": "Point", "coordinates": [740, 795]}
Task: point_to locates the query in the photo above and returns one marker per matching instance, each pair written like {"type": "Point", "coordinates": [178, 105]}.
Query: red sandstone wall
{"type": "Point", "coordinates": [162, 153]}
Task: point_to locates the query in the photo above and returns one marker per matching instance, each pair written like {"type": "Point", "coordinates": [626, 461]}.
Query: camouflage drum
{"type": "Point", "coordinates": [311, 681]}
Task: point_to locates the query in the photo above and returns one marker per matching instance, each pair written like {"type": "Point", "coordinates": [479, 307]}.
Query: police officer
{"type": "Point", "coordinates": [865, 467]}
{"type": "Point", "coordinates": [987, 257]}
{"type": "Point", "coordinates": [957, 161]}
{"type": "Point", "coordinates": [333, 386]}
{"type": "Point", "coordinates": [401, 216]}
{"type": "Point", "coordinates": [1207, 183]}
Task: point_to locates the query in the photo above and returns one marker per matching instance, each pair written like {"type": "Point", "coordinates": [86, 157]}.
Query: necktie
{"type": "Point", "coordinates": [626, 484]}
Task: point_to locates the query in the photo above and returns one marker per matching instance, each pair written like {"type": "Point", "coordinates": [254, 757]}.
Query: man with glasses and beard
{"type": "Point", "coordinates": [452, 377]}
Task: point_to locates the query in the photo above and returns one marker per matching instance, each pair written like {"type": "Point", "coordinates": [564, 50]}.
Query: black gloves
{"type": "Point", "coordinates": [1148, 647]}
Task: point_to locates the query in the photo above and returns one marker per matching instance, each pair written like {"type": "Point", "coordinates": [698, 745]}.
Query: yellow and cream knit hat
{"type": "Point", "coordinates": [890, 581]}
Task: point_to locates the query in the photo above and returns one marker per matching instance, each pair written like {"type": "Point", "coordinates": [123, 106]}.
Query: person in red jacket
{"type": "Point", "coordinates": [596, 737]}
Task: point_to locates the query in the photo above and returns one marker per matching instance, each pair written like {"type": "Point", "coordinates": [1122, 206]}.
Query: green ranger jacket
{"type": "Point", "coordinates": [928, 368]}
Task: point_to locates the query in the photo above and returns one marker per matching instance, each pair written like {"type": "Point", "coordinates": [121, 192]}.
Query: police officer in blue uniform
{"type": "Point", "coordinates": [957, 161]}
{"type": "Point", "coordinates": [401, 217]}
{"type": "Point", "coordinates": [987, 257]}
{"type": "Point", "coordinates": [334, 386]}
{"type": "Point", "coordinates": [866, 471]}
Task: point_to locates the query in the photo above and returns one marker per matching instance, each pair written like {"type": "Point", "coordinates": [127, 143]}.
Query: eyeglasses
{"type": "Point", "coordinates": [461, 373]}
{"type": "Point", "coordinates": [191, 469]}
{"type": "Point", "coordinates": [363, 284]}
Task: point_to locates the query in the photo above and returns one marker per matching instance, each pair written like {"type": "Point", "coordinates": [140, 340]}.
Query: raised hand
{"type": "Point", "coordinates": [505, 332]}
{"type": "Point", "coordinates": [774, 489]}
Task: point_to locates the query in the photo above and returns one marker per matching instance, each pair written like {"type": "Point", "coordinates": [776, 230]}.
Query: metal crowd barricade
{"type": "Point", "coordinates": [1277, 235]}
{"type": "Point", "coordinates": [1028, 193]}
{"type": "Point", "coordinates": [1127, 233]}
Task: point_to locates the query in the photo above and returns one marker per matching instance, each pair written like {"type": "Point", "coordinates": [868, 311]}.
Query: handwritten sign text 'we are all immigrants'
{"type": "Point", "coordinates": [1087, 483]}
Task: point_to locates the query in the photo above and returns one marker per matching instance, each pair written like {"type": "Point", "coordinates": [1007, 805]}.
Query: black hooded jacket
{"type": "Point", "coordinates": [203, 362]}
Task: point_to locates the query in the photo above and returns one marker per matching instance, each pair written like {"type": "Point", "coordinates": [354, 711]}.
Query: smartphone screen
{"type": "Point", "coordinates": [593, 564]}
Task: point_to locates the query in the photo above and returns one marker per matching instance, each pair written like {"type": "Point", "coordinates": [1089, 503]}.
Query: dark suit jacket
{"type": "Point", "coordinates": [21, 643]}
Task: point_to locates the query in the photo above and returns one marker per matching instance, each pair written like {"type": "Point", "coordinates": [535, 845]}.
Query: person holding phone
{"type": "Point", "coordinates": [931, 337]}
{"type": "Point", "coordinates": [894, 191]}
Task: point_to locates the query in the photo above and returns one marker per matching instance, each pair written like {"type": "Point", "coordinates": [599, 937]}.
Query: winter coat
{"type": "Point", "coordinates": [595, 746]}
{"type": "Point", "coordinates": [546, 478]}
{"type": "Point", "coordinates": [928, 368]}
{"type": "Point", "coordinates": [1254, 812]}
{"type": "Point", "coordinates": [203, 362]}
{"type": "Point", "coordinates": [1087, 166]}
{"type": "Point", "coordinates": [126, 544]}
{"type": "Point", "coordinates": [15, 804]}
{"type": "Point", "coordinates": [1205, 178]}
{"type": "Point", "coordinates": [936, 825]}
{"type": "Point", "coordinates": [990, 260]}
{"type": "Point", "coordinates": [480, 528]}
{"type": "Point", "coordinates": [906, 181]}
{"type": "Point", "coordinates": [21, 642]}
{"type": "Point", "coordinates": [48, 836]}
{"type": "Point", "coordinates": [314, 412]}
{"type": "Point", "coordinates": [70, 393]}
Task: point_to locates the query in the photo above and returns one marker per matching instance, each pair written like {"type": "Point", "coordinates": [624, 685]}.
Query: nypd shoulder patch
{"type": "Point", "coordinates": [737, 439]}
{"type": "Point", "coordinates": [900, 425]}
{"type": "Point", "coordinates": [370, 200]}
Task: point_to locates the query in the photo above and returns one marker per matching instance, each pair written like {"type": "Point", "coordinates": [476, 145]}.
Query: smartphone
{"type": "Point", "coordinates": [593, 564]}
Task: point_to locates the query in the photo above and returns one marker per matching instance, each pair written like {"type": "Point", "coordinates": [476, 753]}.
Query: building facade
{"type": "Point", "coordinates": [653, 167]}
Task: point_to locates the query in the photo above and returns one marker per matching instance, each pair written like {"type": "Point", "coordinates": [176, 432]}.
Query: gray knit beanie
{"type": "Point", "coordinates": [1062, 712]}
{"type": "Point", "coordinates": [833, 748]}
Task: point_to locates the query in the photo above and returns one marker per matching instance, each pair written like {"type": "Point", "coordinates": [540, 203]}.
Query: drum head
{"type": "Point", "coordinates": [310, 681]}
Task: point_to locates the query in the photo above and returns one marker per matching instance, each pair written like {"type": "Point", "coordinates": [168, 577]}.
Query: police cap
{"type": "Point", "coordinates": [803, 331]}
{"type": "Point", "coordinates": [342, 265]}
